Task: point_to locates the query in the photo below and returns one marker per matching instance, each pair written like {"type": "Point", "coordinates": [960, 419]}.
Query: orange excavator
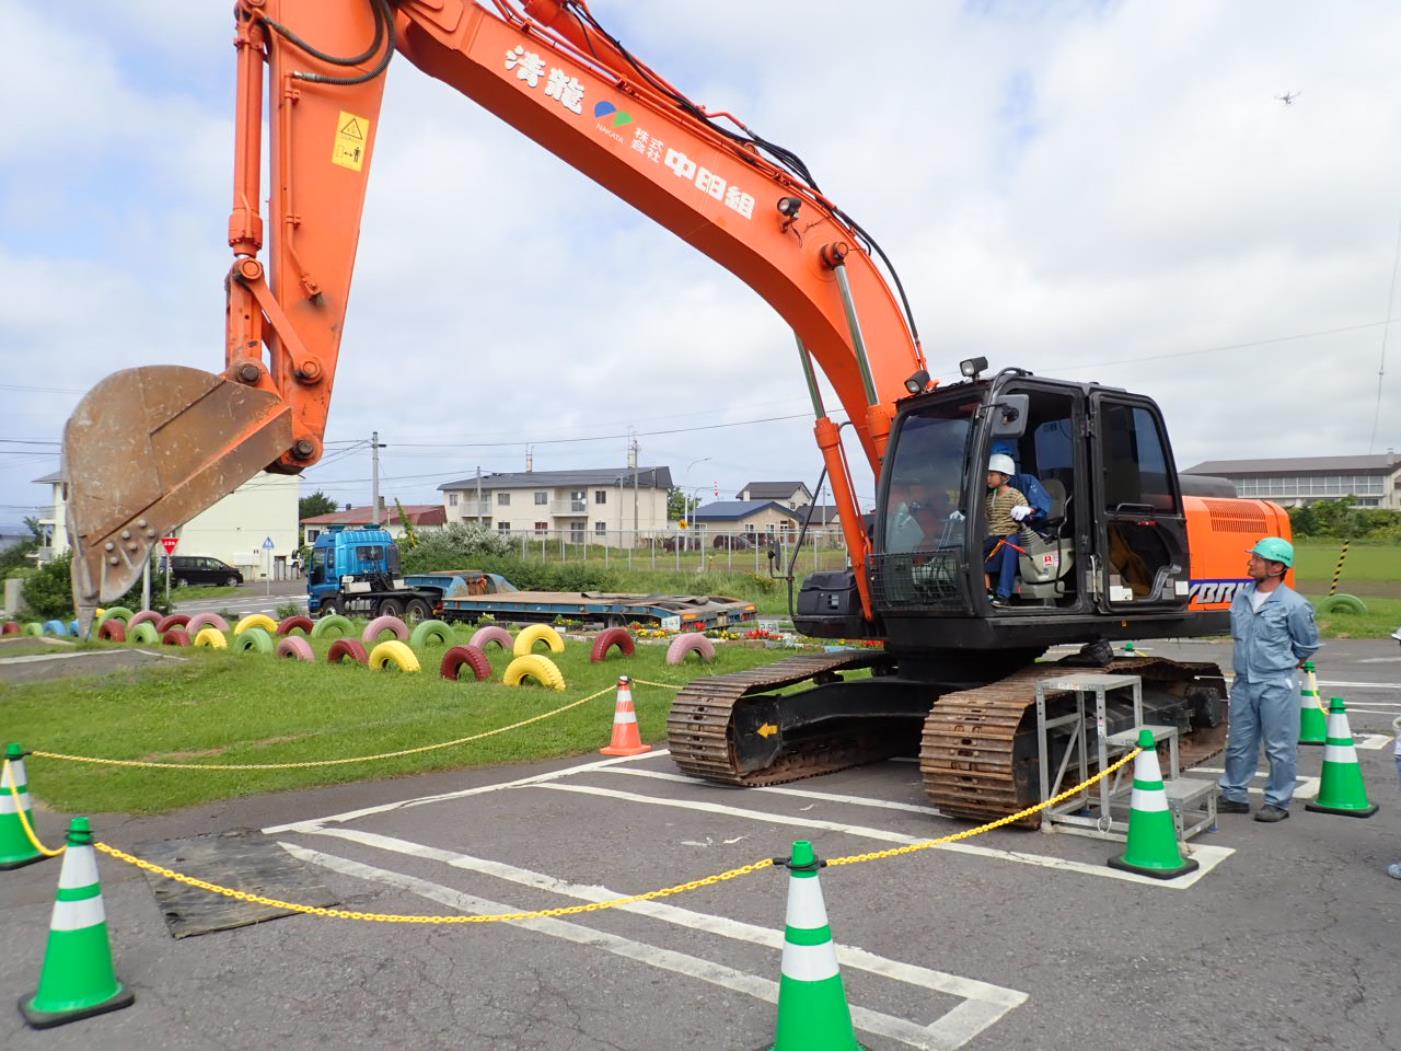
{"type": "Point", "coordinates": [1118, 544]}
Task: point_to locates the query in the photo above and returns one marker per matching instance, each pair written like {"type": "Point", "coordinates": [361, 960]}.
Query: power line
{"type": "Point", "coordinates": [1381, 366]}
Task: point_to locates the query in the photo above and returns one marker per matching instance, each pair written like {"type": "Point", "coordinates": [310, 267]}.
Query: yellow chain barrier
{"type": "Point", "coordinates": [321, 762]}
{"type": "Point", "coordinates": [612, 903]}
{"type": "Point", "coordinates": [24, 818]}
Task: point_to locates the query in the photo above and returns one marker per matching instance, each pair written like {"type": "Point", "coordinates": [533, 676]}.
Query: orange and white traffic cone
{"type": "Point", "coordinates": [626, 738]}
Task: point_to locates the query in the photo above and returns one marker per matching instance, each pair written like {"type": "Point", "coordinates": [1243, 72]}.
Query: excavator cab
{"type": "Point", "coordinates": [1104, 547]}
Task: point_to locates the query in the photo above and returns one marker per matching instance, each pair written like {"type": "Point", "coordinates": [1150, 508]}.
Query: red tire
{"type": "Point", "coordinates": [10, 627]}
{"type": "Point", "coordinates": [352, 648]}
{"type": "Point", "coordinates": [205, 620]}
{"type": "Point", "coordinates": [146, 616]}
{"type": "Point", "coordinates": [112, 630]}
{"type": "Point", "coordinates": [296, 648]}
{"type": "Point", "coordinates": [175, 637]}
{"type": "Point", "coordinates": [457, 656]}
{"type": "Point", "coordinates": [175, 620]}
{"type": "Point", "coordinates": [606, 640]}
{"type": "Point", "coordinates": [289, 624]}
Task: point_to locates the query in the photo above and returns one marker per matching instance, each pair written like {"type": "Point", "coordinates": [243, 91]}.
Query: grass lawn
{"type": "Point", "coordinates": [1365, 563]}
{"type": "Point", "coordinates": [232, 708]}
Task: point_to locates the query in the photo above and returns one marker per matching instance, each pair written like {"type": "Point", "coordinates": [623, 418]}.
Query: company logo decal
{"type": "Point", "coordinates": [620, 117]}
{"type": "Point", "coordinates": [1211, 592]}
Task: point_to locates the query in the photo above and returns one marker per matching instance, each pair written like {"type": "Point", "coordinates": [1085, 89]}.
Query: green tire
{"type": "Point", "coordinates": [1341, 603]}
{"type": "Point", "coordinates": [253, 640]}
{"type": "Point", "coordinates": [144, 633]}
{"type": "Point", "coordinates": [332, 623]}
{"type": "Point", "coordinates": [431, 631]}
{"type": "Point", "coordinates": [120, 612]}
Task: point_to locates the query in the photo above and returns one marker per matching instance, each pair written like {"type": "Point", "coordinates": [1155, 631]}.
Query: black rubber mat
{"type": "Point", "coordinates": [243, 859]}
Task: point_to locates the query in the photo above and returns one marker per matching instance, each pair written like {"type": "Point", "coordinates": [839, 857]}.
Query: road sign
{"type": "Point", "coordinates": [169, 542]}
{"type": "Point", "coordinates": [268, 545]}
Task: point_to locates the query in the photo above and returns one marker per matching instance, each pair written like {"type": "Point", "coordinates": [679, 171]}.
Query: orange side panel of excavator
{"type": "Point", "coordinates": [1220, 533]}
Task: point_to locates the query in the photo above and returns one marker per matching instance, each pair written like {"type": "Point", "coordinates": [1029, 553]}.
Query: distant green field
{"type": "Point", "coordinates": [1371, 563]}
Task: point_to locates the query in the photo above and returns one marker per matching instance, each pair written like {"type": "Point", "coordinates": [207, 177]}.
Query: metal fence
{"type": "Point", "coordinates": [707, 551]}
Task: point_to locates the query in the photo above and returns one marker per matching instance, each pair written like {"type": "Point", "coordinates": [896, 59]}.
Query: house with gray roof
{"type": "Point", "coordinates": [791, 494]}
{"type": "Point", "coordinates": [1374, 481]}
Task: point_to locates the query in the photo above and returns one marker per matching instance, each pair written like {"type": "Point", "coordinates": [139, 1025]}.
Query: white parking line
{"type": "Point", "coordinates": [950, 1032]}
{"type": "Point", "coordinates": [404, 804]}
{"type": "Point", "coordinates": [800, 793]}
{"type": "Point", "coordinates": [1304, 787]}
{"type": "Point", "coordinates": [1208, 856]}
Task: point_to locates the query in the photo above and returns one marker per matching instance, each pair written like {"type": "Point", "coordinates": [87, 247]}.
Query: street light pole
{"type": "Point", "coordinates": [695, 498]}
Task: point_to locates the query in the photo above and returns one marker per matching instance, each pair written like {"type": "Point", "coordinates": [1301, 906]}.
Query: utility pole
{"type": "Point", "coordinates": [375, 447]}
{"type": "Point", "coordinates": [479, 495]}
{"type": "Point", "coordinates": [632, 455]}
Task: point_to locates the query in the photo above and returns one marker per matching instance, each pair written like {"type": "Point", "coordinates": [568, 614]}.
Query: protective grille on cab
{"type": "Point", "coordinates": [1227, 516]}
{"type": "Point", "coordinates": [917, 581]}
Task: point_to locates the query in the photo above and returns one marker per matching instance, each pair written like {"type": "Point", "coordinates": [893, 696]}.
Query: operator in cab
{"type": "Point", "coordinates": [1006, 509]}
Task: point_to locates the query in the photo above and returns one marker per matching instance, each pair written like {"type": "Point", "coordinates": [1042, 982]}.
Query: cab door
{"type": "Point", "coordinates": [1140, 530]}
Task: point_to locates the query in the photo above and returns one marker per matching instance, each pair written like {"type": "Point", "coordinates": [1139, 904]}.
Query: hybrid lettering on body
{"type": "Point", "coordinates": [1214, 592]}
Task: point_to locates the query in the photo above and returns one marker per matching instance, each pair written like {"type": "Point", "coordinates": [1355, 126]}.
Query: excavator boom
{"type": "Point", "coordinates": [149, 448]}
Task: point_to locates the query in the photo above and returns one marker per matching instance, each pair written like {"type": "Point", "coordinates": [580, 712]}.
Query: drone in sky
{"type": "Point", "coordinates": [1288, 97]}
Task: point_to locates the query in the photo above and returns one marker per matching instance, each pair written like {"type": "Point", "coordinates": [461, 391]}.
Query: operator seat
{"type": "Point", "coordinates": [1048, 554]}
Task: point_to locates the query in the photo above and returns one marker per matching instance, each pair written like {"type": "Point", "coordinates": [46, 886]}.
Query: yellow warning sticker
{"type": "Point", "coordinates": [352, 136]}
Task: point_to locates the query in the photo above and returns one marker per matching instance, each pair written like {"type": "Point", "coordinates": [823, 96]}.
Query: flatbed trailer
{"type": "Point", "coordinates": [601, 609]}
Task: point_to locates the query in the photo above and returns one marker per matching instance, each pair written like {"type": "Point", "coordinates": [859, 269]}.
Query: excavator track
{"type": "Point", "coordinates": [978, 750]}
{"type": "Point", "coordinates": [700, 728]}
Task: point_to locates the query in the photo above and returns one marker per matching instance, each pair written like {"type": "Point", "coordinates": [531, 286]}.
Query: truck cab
{"type": "Point", "coordinates": [354, 568]}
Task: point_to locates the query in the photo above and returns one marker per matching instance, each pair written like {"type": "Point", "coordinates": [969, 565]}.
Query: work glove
{"type": "Point", "coordinates": [1020, 514]}
{"type": "Point", "coordinates": [955, 516]}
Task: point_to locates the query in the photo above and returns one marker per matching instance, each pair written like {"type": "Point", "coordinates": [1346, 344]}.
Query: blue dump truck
{"type": "Point", "coordinates": [357, 571]}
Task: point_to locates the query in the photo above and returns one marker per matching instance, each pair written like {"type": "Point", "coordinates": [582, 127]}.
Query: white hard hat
{"type": "Point", "coordinates": [1002, 462]}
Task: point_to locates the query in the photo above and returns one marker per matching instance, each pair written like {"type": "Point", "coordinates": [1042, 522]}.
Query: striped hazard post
{"type": "Point", "coordinates": [1152, 849]}
{"type": "Point", "coordinates": [78, 979]}
{"type": "Point", "coordinates": [1340, 789]}
{"type": "Point", "coordinates": [15, 848]}
{"type": "Point", "coordinates": [627, 740]}
{"type": "Point", "coordinates": [1313, 720]}
{"type": "Point", "coordinates": [812, 1010]}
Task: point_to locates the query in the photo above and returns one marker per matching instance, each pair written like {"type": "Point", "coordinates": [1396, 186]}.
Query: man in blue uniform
{"type": "Point", "coordinates": [1274, 633]}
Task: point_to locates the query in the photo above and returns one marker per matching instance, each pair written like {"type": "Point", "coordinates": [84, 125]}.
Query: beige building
{"type": "Point", "coordinates": [601, 505]}
{"type": "Point", "coordinates": [765, 517]}
{"type": "Point", "coordinates": [235, 530]}
{"type": "Point", "coordinates": [790, 494]}
{"type": "Point", "coordinates": [1373, 481]}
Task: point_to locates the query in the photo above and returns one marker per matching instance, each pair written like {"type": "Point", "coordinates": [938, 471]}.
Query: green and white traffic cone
{"type": "Point", "coordinates": [1340, 789]}
{"type": "Point", "coordinates": [78, 979]}
{"type": "Point", "coordinates": [1152, 849]}
{"type": "Point", "coordinates": [1313, 720]}
{"type": "Point", "coordinates": [812, 1010]}
{"type": "Point", "coordinates": [16, 850]}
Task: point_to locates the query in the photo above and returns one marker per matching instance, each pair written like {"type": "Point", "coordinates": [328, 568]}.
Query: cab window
{"type": "Point", "coordinates": [1136, 476]}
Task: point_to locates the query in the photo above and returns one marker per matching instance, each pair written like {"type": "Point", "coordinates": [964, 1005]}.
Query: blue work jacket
{"type": "Point", "coordinates": [1271, 643]}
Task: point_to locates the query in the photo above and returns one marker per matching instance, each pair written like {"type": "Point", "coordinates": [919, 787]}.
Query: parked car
{"type": "Point", "coordinates": [201, 569]}
{"type": "Point", "coordinates": [733, 541]}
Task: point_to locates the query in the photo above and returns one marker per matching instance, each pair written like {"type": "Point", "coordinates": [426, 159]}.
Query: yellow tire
{"type": "Point", "coordinates": [526, 640]}
{"type": "Point", "coordinates": [396, 653]}
{"type": "Point", "coordinates": [211, 638]}
{"type": "Point", "coordinates": [534, 666]}
{"type": "Point", "coordinates": [256, 620]}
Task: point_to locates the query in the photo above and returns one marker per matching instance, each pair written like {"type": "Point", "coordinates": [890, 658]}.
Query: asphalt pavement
{"type": "Point", "coordinates": [1286, 937]}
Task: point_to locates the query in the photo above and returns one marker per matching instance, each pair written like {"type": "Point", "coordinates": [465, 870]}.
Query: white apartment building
{"type": "Point", "coordinates": [602, 505]}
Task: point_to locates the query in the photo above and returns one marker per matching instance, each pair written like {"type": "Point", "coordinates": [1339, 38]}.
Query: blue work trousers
{"type": "Point", "coordinates": [1267, 711]}
{"type": "Point", "coordinates": [1003, 565]}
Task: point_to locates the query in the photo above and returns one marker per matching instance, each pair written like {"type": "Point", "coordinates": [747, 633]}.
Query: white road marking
{"type": "Point", "coordinates": [1375, 742]}
{"type": "Point", "coordinates": [1208, 856]}
{"type": "Point", "coordinates": [404, 804]}
{"type": "Point", "coordinates": [1380, 660]}
{"type": "Point", "coordinates": [1363, 685]}
{"type": "Point", "coordinates": [1304, 787]}
{"type": "Point", "coordinates": [800, 793]}
{"type": "Point", "coordinates": [935, 1036]}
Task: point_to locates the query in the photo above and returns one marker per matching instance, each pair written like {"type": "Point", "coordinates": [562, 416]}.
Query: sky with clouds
{"type": "Point", "coordinates": [1097, 191]}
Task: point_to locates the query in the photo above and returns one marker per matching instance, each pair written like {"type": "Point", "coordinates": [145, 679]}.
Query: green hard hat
{"type": "Point", "coordinates": [1275, 549]}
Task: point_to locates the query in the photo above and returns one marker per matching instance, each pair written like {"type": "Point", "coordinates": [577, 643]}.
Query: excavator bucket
{"type": "Point", "coordinates": [144, 452]}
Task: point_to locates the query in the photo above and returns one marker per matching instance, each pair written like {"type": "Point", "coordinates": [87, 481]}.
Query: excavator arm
{"type": "Point", "coordinates": [149, 448]}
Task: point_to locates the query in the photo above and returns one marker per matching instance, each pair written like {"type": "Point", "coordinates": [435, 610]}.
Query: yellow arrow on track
{"type": "Point", "coordinates": [767, 730]}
